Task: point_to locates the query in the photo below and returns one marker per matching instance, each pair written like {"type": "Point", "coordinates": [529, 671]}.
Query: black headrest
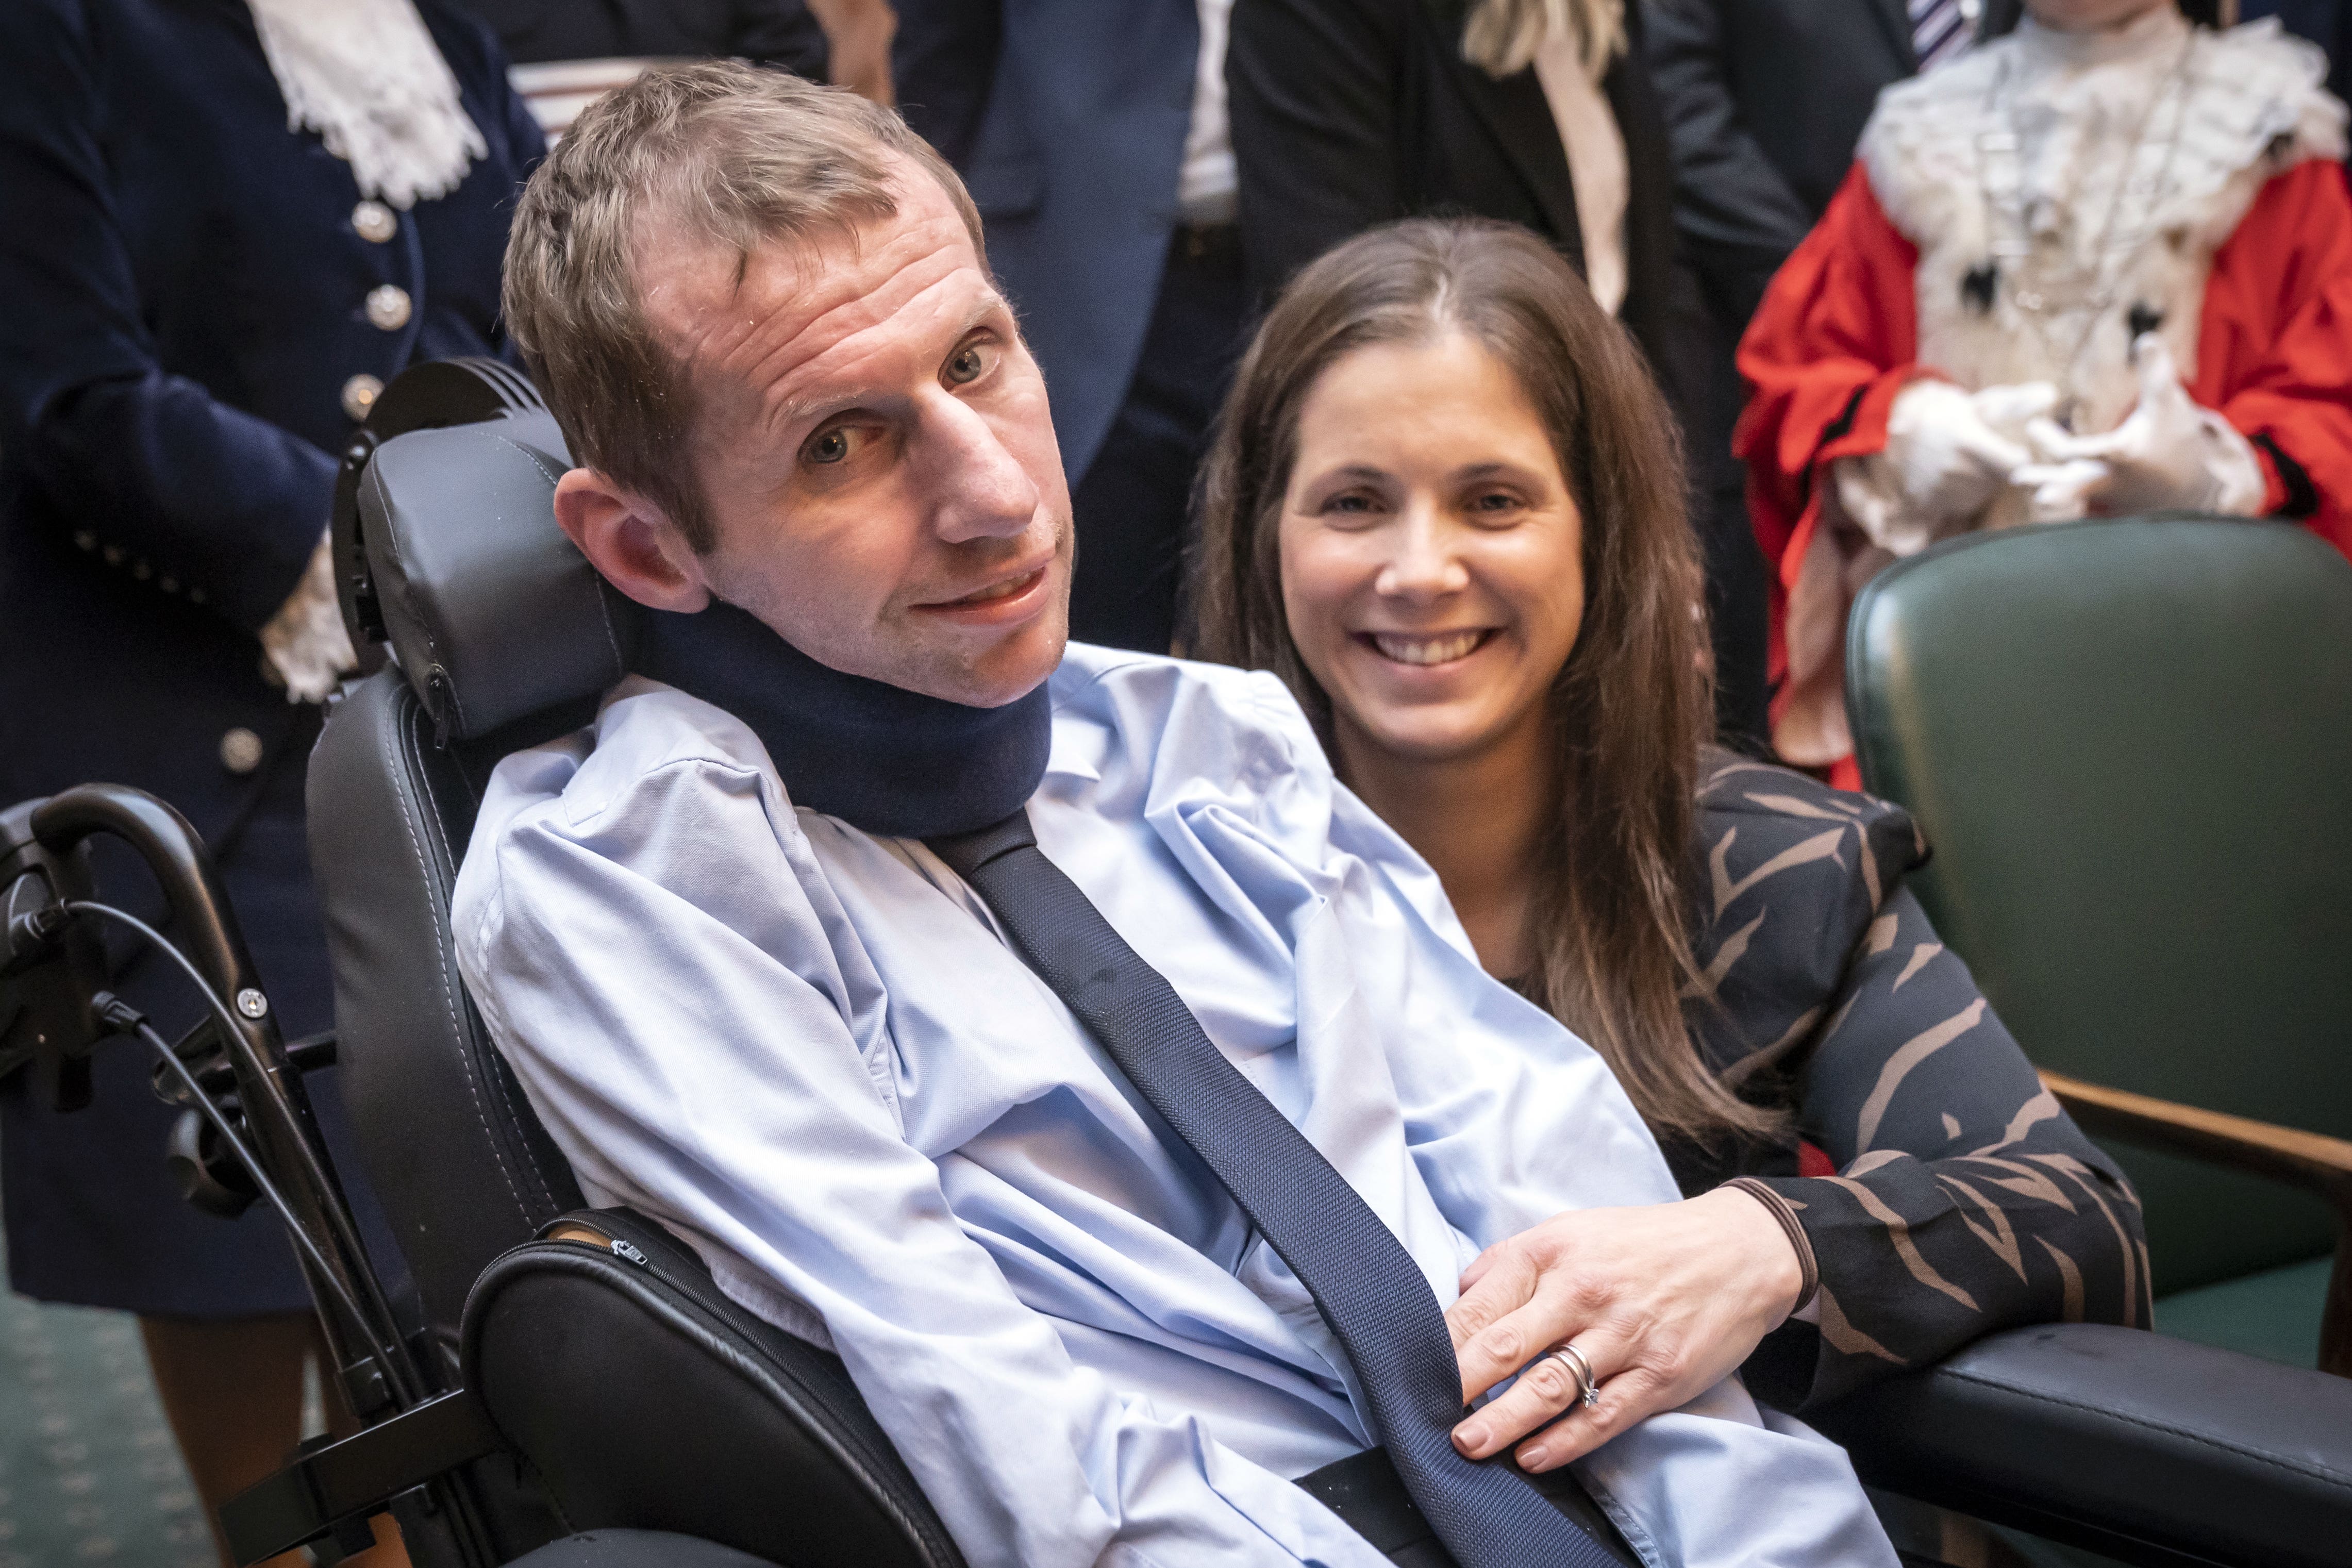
{"type": "Point", "coordinates": [447, 537]}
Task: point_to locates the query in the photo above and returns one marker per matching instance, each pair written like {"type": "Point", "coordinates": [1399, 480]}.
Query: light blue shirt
{"type": "Point", "coordinates": [810, 1051]}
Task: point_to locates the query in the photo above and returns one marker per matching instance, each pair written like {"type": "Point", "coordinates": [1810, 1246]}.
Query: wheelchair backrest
{"type": "Point", "coordinates": [502, 637]}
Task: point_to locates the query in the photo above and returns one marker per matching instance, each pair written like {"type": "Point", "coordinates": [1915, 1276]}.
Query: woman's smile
{"type": "Point", "coordinates": [1427, 650]}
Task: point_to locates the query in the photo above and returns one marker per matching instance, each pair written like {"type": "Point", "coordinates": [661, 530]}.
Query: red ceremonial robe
{"type": "Point", "coordinates": [1836, 337]}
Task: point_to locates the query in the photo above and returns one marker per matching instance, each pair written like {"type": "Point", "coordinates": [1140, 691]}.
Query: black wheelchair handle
{"type": "Point", "coordinates": [376, 1365]}
{"type": "Point", "coordinates": [169, 843]}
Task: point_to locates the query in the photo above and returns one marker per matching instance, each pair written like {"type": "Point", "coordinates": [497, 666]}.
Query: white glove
{"type": "Point", "coordinates": [2061, 492]}
{"type": "Point", "coordinates": [2170, 453]}
{"type": "Point", "coordinates": [1947, 458]}
{"type": "Point", "coordinates": [304, 644]}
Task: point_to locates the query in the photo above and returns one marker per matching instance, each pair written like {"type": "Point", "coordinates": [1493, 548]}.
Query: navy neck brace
{"type": "Point", "coordinates": [881, 758]}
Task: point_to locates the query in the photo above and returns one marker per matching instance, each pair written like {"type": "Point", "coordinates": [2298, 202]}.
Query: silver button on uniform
{"type": "Point", "coordinates": [387, 308]}
{"type": "Point", "coordinates": [360, 395]}
{"type": "Point", "coordinates": [240, 750]}
{"type": "Point", "coordinates": [373, 222]}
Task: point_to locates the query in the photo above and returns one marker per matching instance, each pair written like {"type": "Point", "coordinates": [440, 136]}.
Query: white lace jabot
{"type": "Point", "coordinates": [365, 76]}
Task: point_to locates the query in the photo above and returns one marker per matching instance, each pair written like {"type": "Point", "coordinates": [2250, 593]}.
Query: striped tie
{"type": "Point", "coordinates": [1939, 30]}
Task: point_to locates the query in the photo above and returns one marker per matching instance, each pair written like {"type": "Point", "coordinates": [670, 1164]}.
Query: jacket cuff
{"type": "Point", "coordinates": [1861, 429]}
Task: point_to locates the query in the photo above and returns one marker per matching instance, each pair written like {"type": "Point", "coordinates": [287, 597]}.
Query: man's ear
{"type": "Point", "coordinates": [639, 551]}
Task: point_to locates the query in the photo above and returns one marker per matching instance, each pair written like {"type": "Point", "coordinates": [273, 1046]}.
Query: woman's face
{"type": "Point", "coordinates": [2089, 15]}
{"type": "Point", "coordinates": [1431, 554]}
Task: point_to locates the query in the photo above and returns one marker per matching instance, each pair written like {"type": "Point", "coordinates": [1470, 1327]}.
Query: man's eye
{"type": "Point", "coordinates": [968, 365]}
{"type": "Point", "coordinates": [832, 446]}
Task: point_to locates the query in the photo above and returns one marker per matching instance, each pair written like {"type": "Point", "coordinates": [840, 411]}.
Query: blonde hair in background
{"type": "Point", "coordinates": [1501, 37]}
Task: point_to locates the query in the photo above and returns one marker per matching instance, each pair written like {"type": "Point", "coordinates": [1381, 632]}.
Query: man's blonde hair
{"type": "Point", "coordinates": [726, 153]}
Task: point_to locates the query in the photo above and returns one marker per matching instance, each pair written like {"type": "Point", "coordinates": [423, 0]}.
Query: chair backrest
{"type": "Point", "coordinates": [498, 628]}
{"type": "Point", "coordinates": [2129, 743]}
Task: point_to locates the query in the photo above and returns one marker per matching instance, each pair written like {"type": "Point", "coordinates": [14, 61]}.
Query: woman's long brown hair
{"type": "Point", "coordinates": [1633, 704]}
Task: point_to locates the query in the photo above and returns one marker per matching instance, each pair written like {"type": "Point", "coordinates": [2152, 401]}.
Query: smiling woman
{"type": "Point", "coordinates": [1445, 508]}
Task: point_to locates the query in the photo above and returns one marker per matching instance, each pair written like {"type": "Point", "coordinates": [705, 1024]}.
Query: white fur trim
{"type": "Point", "coordinates": [2255, 108]}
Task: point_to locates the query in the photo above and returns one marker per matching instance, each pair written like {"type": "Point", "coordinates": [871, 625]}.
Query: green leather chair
{"type": "Point", "coordinates": [2129, 742]}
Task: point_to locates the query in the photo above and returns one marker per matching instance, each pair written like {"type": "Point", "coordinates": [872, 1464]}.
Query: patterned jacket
{"type": "Point", "coordinates": [1963, 1199]}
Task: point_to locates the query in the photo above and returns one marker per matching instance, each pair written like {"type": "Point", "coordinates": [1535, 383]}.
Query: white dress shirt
{"type": "Point", "coordinates": [810, 1051]}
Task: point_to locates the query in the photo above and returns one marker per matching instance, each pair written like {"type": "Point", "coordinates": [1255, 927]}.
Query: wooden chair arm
{"type": "Point", "coordinates": [2311, 1161]}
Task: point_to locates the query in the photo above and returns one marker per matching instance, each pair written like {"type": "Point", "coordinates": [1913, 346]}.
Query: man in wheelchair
{"type": "Point", "coordinates": [1041, 1029]}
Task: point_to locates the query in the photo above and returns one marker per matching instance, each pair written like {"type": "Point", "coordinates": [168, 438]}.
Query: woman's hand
{"type": "Point", "coordinates": [1664, 1302]}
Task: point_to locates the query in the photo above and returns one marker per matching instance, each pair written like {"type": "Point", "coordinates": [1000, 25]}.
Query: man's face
{"type": "Point", "coordinates": [873, 446]}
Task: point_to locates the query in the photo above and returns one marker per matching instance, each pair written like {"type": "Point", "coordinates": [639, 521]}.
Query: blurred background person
{"type": "Point", "coordinates": [1441, 509]}
{"type": "Point", "coordinates": [567, 53]}
{"type": "Point", "coordinates": [1764, 101]}
{"type": "Point", "coordinates": [1348, 114]}
{"type": "Point", "coordinates": [2102, 264]}
{"type": "Point", "coordinates": [227, 227]}
{"type": "Point", "coordinates": [1093, 138]}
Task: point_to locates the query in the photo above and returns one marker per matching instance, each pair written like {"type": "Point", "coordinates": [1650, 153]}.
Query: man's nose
{"type": "Point", "coordinates": [981, 489]}
{"type": "Point", "coordinates": [1424, 560]}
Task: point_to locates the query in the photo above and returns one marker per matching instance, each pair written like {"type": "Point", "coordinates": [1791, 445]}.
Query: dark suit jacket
{"type": "Point", "coordinates": [1067, 118]}
{"type": "Point", "coordinates": [1351, 113]}
{"type": "Point", "coordinates": [767, 32]}
{"type": "Point", "coordinates": [1764, 101]}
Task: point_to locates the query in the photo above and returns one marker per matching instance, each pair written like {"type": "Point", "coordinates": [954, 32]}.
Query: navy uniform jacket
{"type": "Point", "coordinates": [186, 338]}
{"type": "Point", "coordinates": [1066, 119]}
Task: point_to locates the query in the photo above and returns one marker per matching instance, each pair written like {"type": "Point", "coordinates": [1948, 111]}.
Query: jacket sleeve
{"type": "Point", "coordinates": [1311, 92]}
{"type": "Point", "coordinates": [1965, 1200]}
{"type": "Point", "coordinates": [1732, 203]}
{"type": "Point", "coordinates": [1831, 346]}
{"type": "Point", "coordinates": [166, 471]}
{"type": "Point", "coordinates": [1829, 349]}
{"type": "Point", "coordinates": [2274, 346]}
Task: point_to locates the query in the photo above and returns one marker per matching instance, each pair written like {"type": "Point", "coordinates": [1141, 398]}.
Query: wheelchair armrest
{"type": "Point", "coordinates": [2151, 1450]}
